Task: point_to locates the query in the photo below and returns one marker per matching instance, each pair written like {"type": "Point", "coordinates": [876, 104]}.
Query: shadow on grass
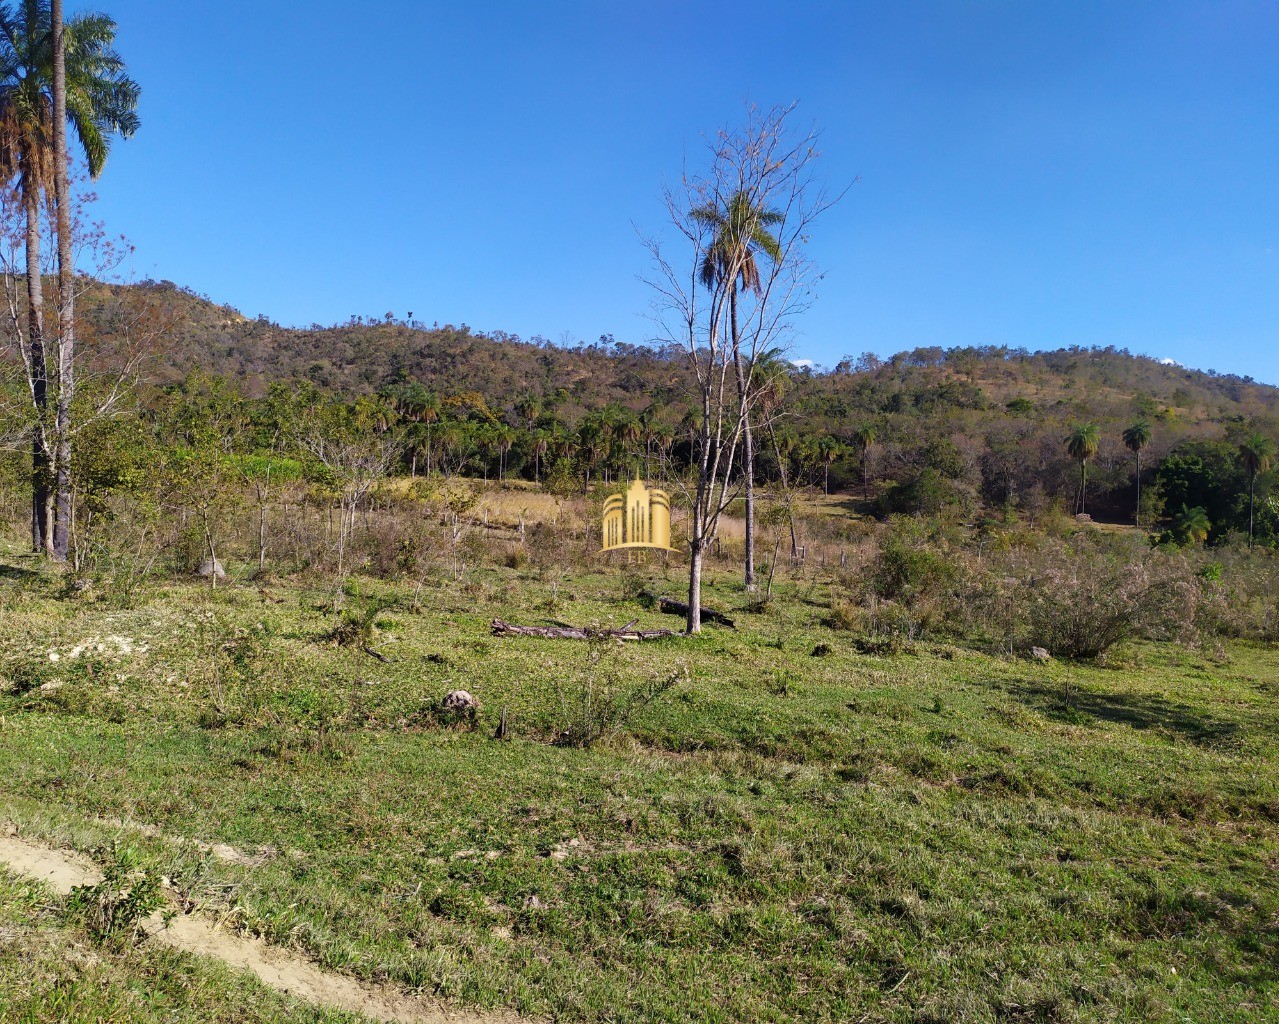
{"type": "Point", "coordinates": [16, 572]}
{"type": "Point", "coordinates": [1138, 711]}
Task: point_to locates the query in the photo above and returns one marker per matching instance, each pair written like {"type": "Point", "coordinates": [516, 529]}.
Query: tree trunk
{"type": "Point", "coordinates": [1252, 490]}
{"type": "Point", "coordinates": [696, 555]}
{"type": "Point", "coordinates": [748, 447]}
{"type": "Point", "coordinates": [40, 462]}
{"type": "Point", "coordinates": [790, 510]}
{"type": "Point", "coordinates": [1137, 518]}
{"type": "Point", "coordinates": [502, 628]}
{"type": "Point", "coordinates": [263, 496]}
{"type": "Point", "coordinates": [66, 295]}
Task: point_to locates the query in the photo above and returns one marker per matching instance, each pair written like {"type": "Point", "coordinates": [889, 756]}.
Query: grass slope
{"type": "Point", "coordinates": [783, 837]}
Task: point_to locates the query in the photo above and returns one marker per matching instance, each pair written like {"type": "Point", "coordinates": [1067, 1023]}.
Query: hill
{"type": "Point", "coordinates": [956, 426]}
{"type": "Point", "coordinates": [359, 357]}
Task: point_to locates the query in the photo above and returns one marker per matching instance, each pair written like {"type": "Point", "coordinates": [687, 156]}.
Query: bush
{"type": "Point", "coordinates": [117, 907]}
{"type": "Point", "coordinates": [929, 492]}
{"type": "Point", "coordinates": [600, 702]}
{"type": "Point", "coordinates": [1079, 603]}
{"type": "Point", "coordinates": [906, 574]}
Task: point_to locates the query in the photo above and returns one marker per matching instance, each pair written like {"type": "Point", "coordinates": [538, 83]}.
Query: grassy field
{"type": "Point", "coordinates": [782, 836]}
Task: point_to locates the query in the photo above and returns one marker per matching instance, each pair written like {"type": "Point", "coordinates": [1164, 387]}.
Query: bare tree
{"type": "Point", "coordinates": [764, 166]}
{"type": "Point", "coordinates": [355, 465]}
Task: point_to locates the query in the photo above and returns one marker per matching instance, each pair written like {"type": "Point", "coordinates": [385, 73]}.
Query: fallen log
{"type": "Point", "coordinates": [501, 628]}
{"type": "Point", "coordinates": [671, 606]}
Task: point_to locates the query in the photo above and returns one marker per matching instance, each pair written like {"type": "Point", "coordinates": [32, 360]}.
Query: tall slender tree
{"type": "Point", "coordinates": [1082, 445]}
{"type": "Point", "coordinates": [773, 166]}
{"type": "Point", "coordinates": [739, 232]}
{"type": "Point", "coordinates": [52, 73]}
{"type": "Point", "coordinates": [1257, 453]}
{"type": "Point", "coordinates": [1137, 437]}
{"type": "Point", "coordinates": [864, 438]}
{"type": "Point", "coordinates": [829, 451]}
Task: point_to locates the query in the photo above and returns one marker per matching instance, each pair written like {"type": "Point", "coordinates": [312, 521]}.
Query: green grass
{"type": "Point", "coordinates": [50, 970]}
{"type": "Point", "coordinates": [940, 837]}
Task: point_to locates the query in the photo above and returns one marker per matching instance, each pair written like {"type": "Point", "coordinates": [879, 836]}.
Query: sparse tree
{"type": "Point", "coordinates": [741, 233]}
{"type": "Point", "coordinates": [764, 166]}
{"type": "Point", "coordinates": [1081, 445]}
{"type": "Point", "coordinates": [1257, 454]}
{"type": "Point", "coordinates": [1137, 437]}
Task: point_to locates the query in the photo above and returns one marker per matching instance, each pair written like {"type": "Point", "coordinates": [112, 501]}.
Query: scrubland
{"type": "Point", "coordinates": [866, 802]}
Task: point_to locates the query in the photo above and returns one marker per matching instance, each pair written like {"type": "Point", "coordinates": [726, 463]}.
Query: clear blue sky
{"type": "Point", "coordinates": [1030, 174]}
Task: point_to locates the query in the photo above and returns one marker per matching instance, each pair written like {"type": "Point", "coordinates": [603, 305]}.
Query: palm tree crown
{"type": "Point", "coordinates": [1137, 436]}
{"type": "Point", "coordinates": [740, 232]}
{"type": "Point", "coordinates": [1257, 454]}
{"type": "Point", "coordinates": [102, 100]}
{"type": "Point", "coordinates": [1083, 441]}
{"type": "Point", "coordinates": [1082, 445]}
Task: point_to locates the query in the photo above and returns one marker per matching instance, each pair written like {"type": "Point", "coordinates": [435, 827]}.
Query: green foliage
{"type": "Point", "coordinates": [116, 908]}
{"type": "Point", "coordinates": [928, 493]}
{"type": "Point", "coordinates": [908, 574]}
{"type": "Point", "coordinates": [599, 702]}
{"type": "Point", "coordinates": [1191, 526]}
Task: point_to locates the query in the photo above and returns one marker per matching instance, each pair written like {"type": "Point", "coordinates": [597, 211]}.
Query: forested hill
{"type": "Point", "coordinates": [362, 357]}
{"type": "Point", "coordinates": [959, 425]}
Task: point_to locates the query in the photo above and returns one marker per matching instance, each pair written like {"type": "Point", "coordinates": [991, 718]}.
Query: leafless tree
{"type": "Point", "coordinates": [355, 466]}
{"type": "Point", "coordinates": [763, 166]}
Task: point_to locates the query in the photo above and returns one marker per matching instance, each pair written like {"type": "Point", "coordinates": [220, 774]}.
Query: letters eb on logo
{"type": "Point", "coordinates": [640, 518]}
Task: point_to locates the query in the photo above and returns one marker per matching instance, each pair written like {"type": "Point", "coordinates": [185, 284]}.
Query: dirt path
{"type": "Point", "coordinates": [62, 870]}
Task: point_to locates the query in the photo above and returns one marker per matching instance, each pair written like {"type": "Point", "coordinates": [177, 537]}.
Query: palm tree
{"type": "Point", "coordinates": [1257, 453]}
{"type": "Point", "coordinates": [95, 95]}
{"type": "Point", "coordinates": [1136, 437]}
{"type": "Point", "coordinates": [630, 430]}
{"type": "Point", "coordinates": [740, 230]}
{"type": "Point", "coordinates": [828, 450]}
{"type": "Point", "coordinates": [864, 437]}
{"type": "Point", "coordinates": [539, 447]}
{"type": "Point", "coordinates": [592, 444]}
{"type": "Point", "coordinates": [528, 409]}
{"type": "Point", "coordinates": [423, 406]}
{"type": "Point", "coordinates": [1082, 445]}
{"type": "Point", "coordinates": [505, 441]}
{"type": "Point", "coordinates": [1191, 526]}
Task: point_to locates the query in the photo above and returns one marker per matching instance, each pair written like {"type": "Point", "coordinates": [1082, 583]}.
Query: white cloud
{"type": "Point", "coordinates": [1169, 362]}
{"type": "Point", "coordinates": [804, 364]}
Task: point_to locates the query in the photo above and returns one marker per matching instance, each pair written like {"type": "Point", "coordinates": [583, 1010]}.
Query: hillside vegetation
{"type": "Point", "coordinates": [798, 830]}
{"type": "Point", "coordinates": [966, 756]}
{"type": "Point", "coordinates": [963, 428]}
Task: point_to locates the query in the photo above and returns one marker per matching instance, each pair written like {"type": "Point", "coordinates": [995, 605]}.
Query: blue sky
{"type": "Point", "coordinates": [1030, 174]}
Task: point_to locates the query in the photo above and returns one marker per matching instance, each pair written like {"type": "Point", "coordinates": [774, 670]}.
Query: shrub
{"type": "Point", "coordinates": [928, 492]}
{"type": "Point", "coordinates": [117, 907]}
{"type": "Point", "coordinates": [1081, 603]}
{"type": "Point", "coordinates": [905, 574]}
{"type": "Point", "coordinates": [600, 702]}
